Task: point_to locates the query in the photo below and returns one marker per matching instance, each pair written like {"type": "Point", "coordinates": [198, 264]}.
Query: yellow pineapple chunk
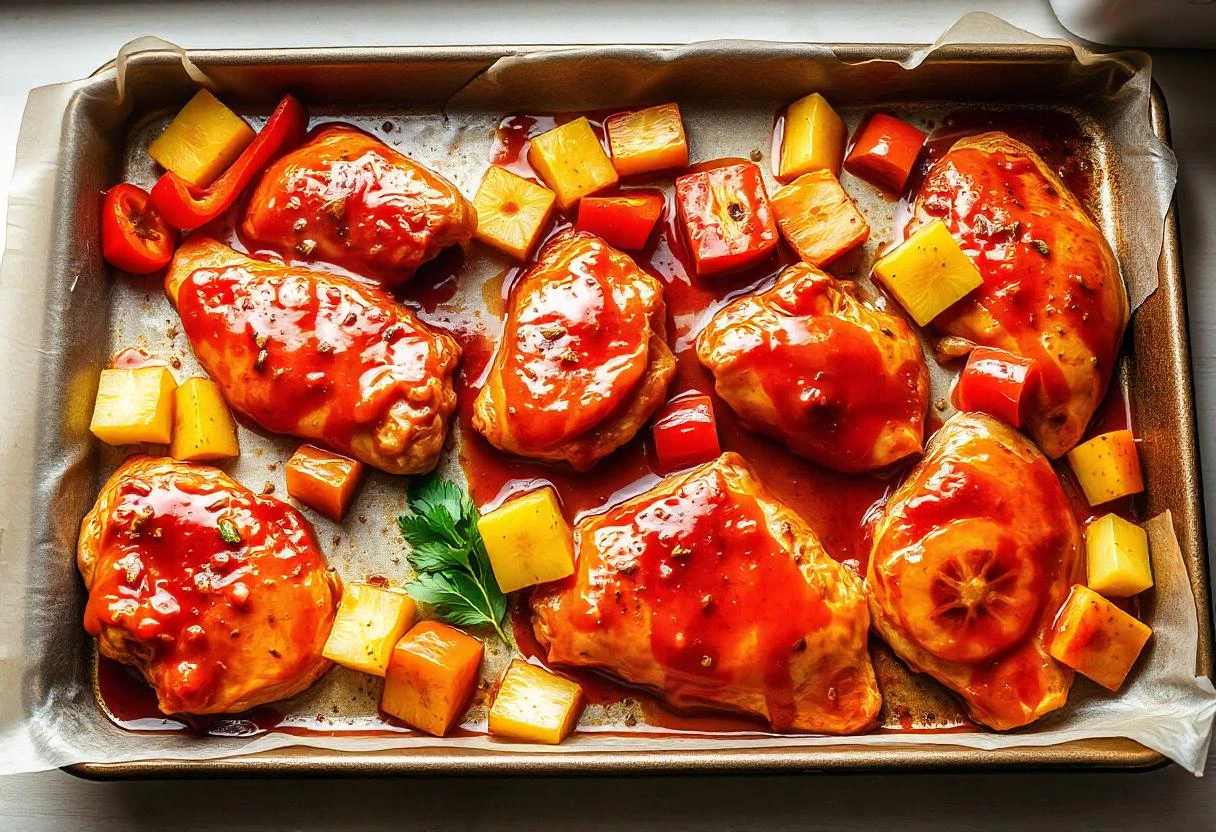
{"type": "Point", "coordinates": [202, 141]}
{"type": "Point", "coordinates": [1117, 557]}
{"type": "Point", "coordinates": [928, 272]}
{"type": "Point", "coordinates": [511, 212]}
{"type": "Point", "coordinates": [1097, 639]}
{"type": "Point", "coordinates": [572, 161]}
{"type": "Point", "coordinates": [370, 621]}
{"type": "Point", "coordinates": [134, 405]}
{"type": "Point", "coordinates": [814, 138]}
{"type": "Point", "coordinates": [1107, 467]}
{"type": "Point", "coordinates": [528, 541]}
{"type": "Point", "coordinates": [203, 428]}
{"type": "Point", "coordinates": [534, 704]}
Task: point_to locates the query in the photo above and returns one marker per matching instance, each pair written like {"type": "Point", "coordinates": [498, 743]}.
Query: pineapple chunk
{"type": "Point", "coordinates": [818, 219]}
{"type": "Point", "coordinates": [134, 405]}
{"type": "Point", "coordinates": [202, 141]}
{"type": "Point", "coordinates": [203, 428]}
{"type": "Point", "coordinates": [644, 141]}
{"type": "Point", "coordinates": [431, 676]}
{"type": "Point", "coordinates": [1117, 557]}
{"type": "Point", "coordinates": [928, 272]}
{"type": "Point", "coordinates": [528, 541]}
{"type": "Point", "coordinates": [1097, 639]}
{"type": "Point", "coordinates": [571, 161]}
{"type": "Point", "coordinates": [1107, 467]}
{"type": "Point", "coordinates": [814, 138]}
{"type": "Point", "coordinates": [323, 480]}
{"type": "Point", "coordinates": [534, 704]}
{"type": "Point", "coordinates": [511, 212]}
{"type": "Point", "coordinates": [370, 621]}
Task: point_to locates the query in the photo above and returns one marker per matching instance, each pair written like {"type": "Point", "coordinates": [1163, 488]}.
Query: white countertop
{"type": "Point", "coordinates": [57, 41]}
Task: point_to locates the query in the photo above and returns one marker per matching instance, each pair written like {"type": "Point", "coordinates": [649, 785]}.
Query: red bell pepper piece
{"type": "Point", "coordinates": [185, 206]}
{"type": "Point", "coordinates": [686, 433]}
{"type": "Point", "coordinates": [624, 220]}
{"type": "Point", "coordinates": [998, 383]}
{"type": "Point", "coordinates": [727, 217]}
{"type": "Point", "coordinates": [884, 151]}
{"type": "Point", "coordinates": [134, 237]}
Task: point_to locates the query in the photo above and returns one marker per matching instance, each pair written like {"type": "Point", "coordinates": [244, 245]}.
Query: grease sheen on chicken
{"type": "Point", "coordinates": [317, 356]}
{"type": "Point", "coordinates": [349, 199]}
{"type": "Point", "coordinates": [582, 363]}
{"type": "Point", "coordinates": [709, 591]}
{"type": "Point", "coordinates": [810, 363]}
{"type": "Point", "coordinates": [214, 625]}
{"type": "Point", "coordinates": [973, 556]}
{"type": "Point", "coordinates": [1051, 290]}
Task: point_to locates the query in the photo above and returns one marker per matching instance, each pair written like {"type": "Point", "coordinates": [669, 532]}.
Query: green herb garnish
{"type": "Point", "coordinates": [228, 531]}
{"type": "Point", "coordinates": [1041, 247]}
{"type": "Point", "coordinates": [446, 550]}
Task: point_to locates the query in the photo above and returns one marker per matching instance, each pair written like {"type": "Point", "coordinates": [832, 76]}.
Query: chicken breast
{"type": "Point", "coordinates": [220, 598]}
{"type": "Point", "coordinates": [349, 199]}
{"type": "Point", "coordinates": [810, 363]}
{"type": "Point", "coordinates": [1051, 290]}
{"type": "Point", "coordinates": [317, 356]}
{"type": "Point", "coordinates": [583, 362]}
{"type": "Point", "coordinates": [973, 556]}
{"type": "Point", "coordinates": [711, 592]}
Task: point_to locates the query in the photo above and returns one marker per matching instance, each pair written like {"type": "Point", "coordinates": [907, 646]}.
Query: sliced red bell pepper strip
{"type": "Point", "coordinates": [624, 220]}
{"type": "Point", "coordinates": [998, 383]}
{"type": "Point", "coordinates": [134, 237]}
{"type": "Point", "coordinates": [884, 151]}
{"type": "Point", "coordinates": [185, 206]}
{"type": "Point", "coordinates": [686, 433]}
{"type": "Point", "coordinates": [726, 216]}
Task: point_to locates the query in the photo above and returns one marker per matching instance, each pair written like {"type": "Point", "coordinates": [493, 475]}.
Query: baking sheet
{"type": "Point", "coordinates": [48, 716]}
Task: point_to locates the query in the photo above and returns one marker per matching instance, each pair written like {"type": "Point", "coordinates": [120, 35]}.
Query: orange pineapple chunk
{"type": "Point", "coordinates": [431, 676]}
{"type": "Point", "coordinates": [1097, 639]}
{"type": "Point", "coordinates": [818, 219]}
{"type": "Point", "coordinates": [644, 141]}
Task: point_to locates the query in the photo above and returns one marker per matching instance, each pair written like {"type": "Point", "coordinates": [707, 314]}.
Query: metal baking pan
{"type": "Point", "coordinates": [103, 141]}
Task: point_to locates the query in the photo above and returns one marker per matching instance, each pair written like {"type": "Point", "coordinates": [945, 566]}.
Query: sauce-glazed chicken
{"type": "Point", "coordinates": [317, 356]}
{"type": "Point", "coordinates": [349, 199]}
{"type": "Point", "coordinates": [583, 362]}
{"type": "Point", "coordinates": [808, 362]}
{"type": "Point", "coordinates": [973, 556]}
{"type": "Point", "coordinates": [711, 592]}
{"type": "Point", "coordinates": [1052, 290]}
{"type": "Point", "coordinates": [220, 598]}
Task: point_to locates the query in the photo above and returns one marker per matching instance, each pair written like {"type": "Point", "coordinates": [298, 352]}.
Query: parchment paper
{"type": "Point", "coordinates": [48, 718]}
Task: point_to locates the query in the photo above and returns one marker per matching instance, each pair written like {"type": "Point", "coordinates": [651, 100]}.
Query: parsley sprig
{"type": "Point", "coordinates": [446, 550]}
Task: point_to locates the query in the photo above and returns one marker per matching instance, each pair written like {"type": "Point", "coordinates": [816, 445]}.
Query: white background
{"type": "Point", "coordinates": [51, 42]}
